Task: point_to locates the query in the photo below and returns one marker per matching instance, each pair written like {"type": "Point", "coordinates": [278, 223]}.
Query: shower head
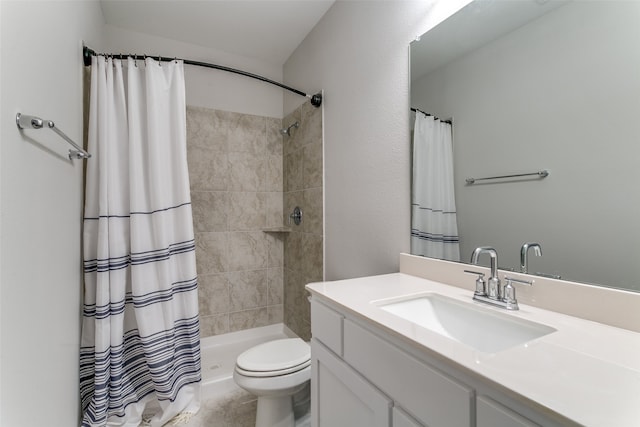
{"type": "Point", "coordinates": [287, 131]}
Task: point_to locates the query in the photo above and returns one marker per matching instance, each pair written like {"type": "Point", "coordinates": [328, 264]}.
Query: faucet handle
{"type": "Point", "coordinates": [521, 281]}
{"type": "Point", "coordinates": [474, 272]}
{"type": "Point", "coordinates": [480, 283]}
{"type": "Point", "coordinates": [509, 292]}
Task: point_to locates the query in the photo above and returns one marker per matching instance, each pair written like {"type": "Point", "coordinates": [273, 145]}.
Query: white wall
{"type": "Point", "coordinates": [207, 87]}
{"type": "Point", "coordinates": [40, 209]}
{"type": "Point", "coordinates": [358, 53]}
{"type": "Point", "coordinates": [559, 93]}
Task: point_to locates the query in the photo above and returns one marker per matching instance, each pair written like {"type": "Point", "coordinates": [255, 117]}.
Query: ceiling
{"type": "Point", "coordinates": [269, 30]}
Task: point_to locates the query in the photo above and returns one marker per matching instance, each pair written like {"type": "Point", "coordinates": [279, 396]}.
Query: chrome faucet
{"type": "Point", "coordinates": [524, 253]}
{"type": "Point", "coordinates": [493, 284]}
{"type": "Point", "coordinates": [494, 295]}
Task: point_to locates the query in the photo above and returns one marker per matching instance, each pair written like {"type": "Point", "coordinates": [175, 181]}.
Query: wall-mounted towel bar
{"type": "Point", "coordinates": [540, 174]}
{"type": "Point", "coordinates": [32, 122]}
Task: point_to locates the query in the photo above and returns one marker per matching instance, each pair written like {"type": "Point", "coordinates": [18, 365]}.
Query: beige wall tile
{"type": "Point", "coordinates": [247, 250]}
{"type": "Point", "coordinates": [274, 180]}
{"type": "Point", "coordinates": [274, 136]}
{"type": "Point", "coordinates": [275, 286]}
{"type": "Point", "coordinates": [247, 211]}
{"type": "Point", "coordinates": [247, 319]}
{"type": "Point", "coordinates": [313, 216]}
{"type": "Point", "coordinates": [213, 294]}
{"type": "Point", "coordinates": [293, 179]}
{"type": "Point", "coordinates": [304, 331]}
{"type": "Point", "coordinates": [205, 129]}
{"type": "Point", "coordinates": [248, 289]}
{"type": "Point", "coordinates": [275, 249]}
{"type": "Point", "coordinates": [293, 251]}
{"type": "Point", "coordinates": [310, 131]}
{"type": "Point", "coordinates": [240, 167]}
{"type": "Point", "coordinates": [275, 314]}
{"type": "Point", "coordinates": [289, 318]}
{"type": "Point", "coordinates": [214, 325]}
{"type": "Point", "coordinates": [274, 205]}
{"type": "Point", "coordinates": [304, 306]}
{"type": "Point", "coordinates": [298, 325]}
{"type": "Point", "coordinates": [312, 257]}
{"type": "Point", "coordinates": [246, 133]}
{"type": "Point", "coordinates": [211, 253]}
{"type": "Point", "coordinates": [291, 294]}
{"type": "Point", "coordinates": [246, 172]}
{"type": "Point", "coordinates": [210, 210]}
{"type": "Point", "coordinates": [208, 170]}
{"type": "Point", "coordinates": [291, 143]}
{"type": "Point", "coordinates": [312, 165]}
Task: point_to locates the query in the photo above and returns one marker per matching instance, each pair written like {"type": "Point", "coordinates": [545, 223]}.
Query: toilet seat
{"type": "Point", "coordinates": [286, 371]}
{"type": "Point", "coordinates": [274, 358]}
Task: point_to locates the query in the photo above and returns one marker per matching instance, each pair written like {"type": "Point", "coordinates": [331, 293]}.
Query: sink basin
{"type": "Point", "coordinates": [478, 327]}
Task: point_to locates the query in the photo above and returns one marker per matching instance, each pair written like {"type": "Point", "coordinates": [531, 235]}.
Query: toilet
{"type": "Point", "coordinates": [274, 371]}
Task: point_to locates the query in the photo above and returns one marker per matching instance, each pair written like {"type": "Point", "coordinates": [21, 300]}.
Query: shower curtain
{"type": "Point", "coordinates": [140, 349]}
{"type": "Point", "coordinates": [434, 229]}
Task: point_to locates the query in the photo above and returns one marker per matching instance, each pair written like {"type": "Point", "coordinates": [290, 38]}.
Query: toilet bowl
{"type": "Point", "coordinates": [274, 372]}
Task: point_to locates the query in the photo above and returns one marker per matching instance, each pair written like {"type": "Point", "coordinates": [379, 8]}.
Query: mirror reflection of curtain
{"type": "Point", "coordinates": [434, 230]}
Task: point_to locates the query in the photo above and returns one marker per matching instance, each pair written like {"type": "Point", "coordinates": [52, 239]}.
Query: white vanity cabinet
{"type": "Point", "coordinates": [402, 419]}
{"type": "Point", "coordinates": [432, 397]}
{"type": "Point", "coordinates": [492, 414]}
{"type": "Point", "coordinates": [342, 398]}
{"type": "Point", "coordinates": [364, 377]}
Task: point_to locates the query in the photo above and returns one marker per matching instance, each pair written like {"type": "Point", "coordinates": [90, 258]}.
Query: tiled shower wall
{"type": "Point", "coordinates": [303, 253]}
{"type": "Point", "coordinates": [235, 168]}
{"type": "Point", "coordinates": [241, 167]}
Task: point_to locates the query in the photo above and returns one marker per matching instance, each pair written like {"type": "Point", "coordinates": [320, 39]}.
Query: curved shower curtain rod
{"type": "Point", "coordinates": [87, 53]}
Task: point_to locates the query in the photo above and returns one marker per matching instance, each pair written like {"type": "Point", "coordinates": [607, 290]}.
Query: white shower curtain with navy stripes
{"type": "Point", "coordinates": [434, 227]}
{"type": "Point", "coordinates": [140, 350]}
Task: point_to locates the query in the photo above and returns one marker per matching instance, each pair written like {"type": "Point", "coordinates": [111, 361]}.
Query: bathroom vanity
{"type": "Point", "coordinates": [378, 359]}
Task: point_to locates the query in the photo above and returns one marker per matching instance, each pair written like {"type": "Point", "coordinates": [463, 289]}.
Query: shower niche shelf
{"type": "Point", "coordinates": [277, 230]}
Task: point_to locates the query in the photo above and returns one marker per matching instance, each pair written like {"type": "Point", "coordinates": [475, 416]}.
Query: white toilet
{"type": "Point", "coordinates": [274, 371]}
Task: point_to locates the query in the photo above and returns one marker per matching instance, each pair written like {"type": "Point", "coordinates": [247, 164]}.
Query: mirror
{"type": "Point", "coordinates": [542, 85]}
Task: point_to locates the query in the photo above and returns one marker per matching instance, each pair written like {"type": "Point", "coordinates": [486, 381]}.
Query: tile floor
{"type": "Point", "coordinates": [237, 408]}
{"type": "Point", "coordinates": [234, 409]}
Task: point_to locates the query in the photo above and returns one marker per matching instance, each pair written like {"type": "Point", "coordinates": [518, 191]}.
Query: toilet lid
{"type": "Point", "coordinates": [275, 355]}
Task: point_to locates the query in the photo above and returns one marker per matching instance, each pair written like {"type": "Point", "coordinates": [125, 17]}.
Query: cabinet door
{"type": "Point", "coordinates": [490, 413]}
{"type": "Point", "coordinates": [342, 398]}
{"type": "Point", "coordinates": [435, 398]}
{"type": "Point", "coordinates": [401, 419]}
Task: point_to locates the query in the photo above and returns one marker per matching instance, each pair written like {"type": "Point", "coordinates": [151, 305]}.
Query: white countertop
{"type": "Point", "coordinates": [585, 371]}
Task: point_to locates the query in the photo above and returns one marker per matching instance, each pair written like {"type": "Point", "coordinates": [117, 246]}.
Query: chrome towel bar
{"type": "Point", "coordinates": [541, 174]}
{"type": "Point", "coordinates": [32, 122]}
